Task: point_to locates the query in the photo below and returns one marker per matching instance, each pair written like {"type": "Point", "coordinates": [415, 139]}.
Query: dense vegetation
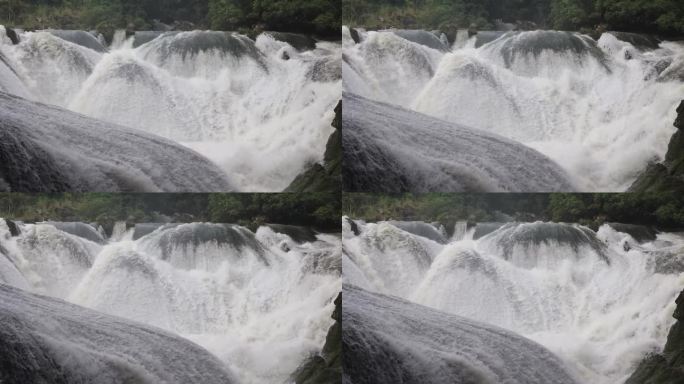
{"type": "Point", "coordinates": [319, 210]}
{"type": "Point", "coordinates": [307, 16]}
{"type": "Point", "coordinates": [663, 210]}
{"type": "Point", "coordinates": [664, 17]}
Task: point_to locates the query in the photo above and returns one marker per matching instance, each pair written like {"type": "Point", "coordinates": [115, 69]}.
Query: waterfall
{"type": "Point", "coordinates": [210, 91]}
{"type": "Point", "coordinates": [600, 109]}
{"type": "Point", "coordinates": [260, 302]}
{"type": "Point", "coordinates": [597, 304]}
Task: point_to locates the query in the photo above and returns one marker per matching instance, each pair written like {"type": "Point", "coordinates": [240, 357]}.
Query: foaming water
{"type": "Point", "coordinates": [259, 109]}
{"type": "Point", "coordinates": [598, 300]}
{"type": "Point", "coordinates": [260, 302]}
{"type": "Point", "coordinates": [601, 109]}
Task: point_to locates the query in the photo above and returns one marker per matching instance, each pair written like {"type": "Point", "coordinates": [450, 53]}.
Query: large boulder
{"type": "Point", "coordinates": [45, 340]}
{"type": "Point", "coordinates": [667, 176]}
{"type": "Point", "coordinates": [666, 367]}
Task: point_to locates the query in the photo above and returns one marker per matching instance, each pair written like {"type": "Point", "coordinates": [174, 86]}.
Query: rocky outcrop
{"type": "Point", "coordinates": [640, 233]}
{"type": "Point", "coordinates": [666, 367]}
{"type": "Point", "coordinates": [12, 35]}
{"type": "Point", "coordinates": [328, 176]}
{"type": "Point", "coordinates": [667, 176]}
{"type": "Point", "coordinates": [298, 41]}
{"type": "Point", "coordinates": [327, 367]}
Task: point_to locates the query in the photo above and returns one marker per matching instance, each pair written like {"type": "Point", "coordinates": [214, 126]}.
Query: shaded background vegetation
{"type": "Point", "coordinates": [663, 210]}
{"type": "Point", "coordinates": [665, 17]}
{"type": "Point", "coordinates": [306, 16]}
{"type": "Point", "coordinates": [319, 210]}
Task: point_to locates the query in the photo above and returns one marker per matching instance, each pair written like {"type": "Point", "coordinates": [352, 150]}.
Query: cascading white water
{"type": "Point", "coordinates": [261, 302]}
{"type": "Point", "coordinates": [599, 300]}
{"type": "Point", "coordinates": [460, 230]}
{"type": "Point", "coordinates": [600, 109]}
{"type": "Point", "coordinates": [260, 109]}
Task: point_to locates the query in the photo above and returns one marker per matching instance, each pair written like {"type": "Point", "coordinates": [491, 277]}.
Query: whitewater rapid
{"type": "Point", "coordinates": [259, 109]}
{"type": "Point", "coordinates": [600, 301]}
{"type": "Point", "coordinates": [602, 110]}
{"type": "Point", "coordinates": [260, 302]}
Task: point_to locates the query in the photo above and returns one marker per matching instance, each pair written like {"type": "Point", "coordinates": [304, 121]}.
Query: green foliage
{"type": "Point", "coordinates": [664, 210]}
{"type": "Point", "coordinates": [318, 210]}
{"type": "Point", "coordinates": [313, 209]}
{"type": "Point", "coordinates": [307, 16]}
{"type": "Point", "coordinates": [664, 17]}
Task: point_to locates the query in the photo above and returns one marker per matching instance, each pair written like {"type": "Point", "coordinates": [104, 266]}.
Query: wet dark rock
{"type": "Point", "coordinates": [484, 37]}
{"type": "Point", "coordinates": [516, 45]}
{"type": "Point", "coordinates": [326, 69]}
{"type": "Point", "coordinates": [390, 149]}
{"type": "Point", "coordinates": [26, 167]}
{"type": "Point", "coordinates": [12, 35]}
{"type": "Point", "coordinates": [192, 235]}
{"type": "Point", "coordinates": [354, 227]}
{"type": "Point", "coordinates": [143, 229]}
{"type": "Point", "coordinates": [667, 176]}
{"type": "Point", "coordinates": [326, 177]}
{"type": "Point", "coordinates": [640, 233]}
{"type": "Point", "coordinates": [298, 41]}
{"type": "Point", "coordinates": [387, 340]}
{"type": "Point", "coordinates": [422, 229]}
{"type": "Point", "coordinates": [13, 228]}
{"type": "Point", "coordinates": [297, 233]}
{"type": "Point", "coordinates": [83, 230]}
{"type": "Point", "coordinates": [325, 368]}
{"type": "Point", "coordinates": [142, 37]}
{"type": "Point", "coordinates": [44, 340]}
{"type": "Point", "coordinates": [355, 35]}
{"type": "Point", "coordinates": [533, 234]}
{"type": "Point", "coordinates": [666, 367]}
{"type": "Point", "coordinates": [425, 38]}
{"type": "Point", "coordinates": [640, 41]}
{"type": "Point", "coordinates": [82, 38]}
{"type": "Point", "coordinates": [483, 229]}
